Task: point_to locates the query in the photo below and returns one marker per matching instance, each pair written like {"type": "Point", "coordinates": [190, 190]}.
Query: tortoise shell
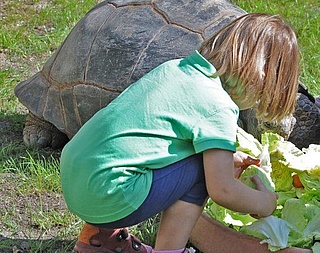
{"type": "Point", "coordinates": [115, 44]}
{"type": "Point", "coordinates": [307, 127]}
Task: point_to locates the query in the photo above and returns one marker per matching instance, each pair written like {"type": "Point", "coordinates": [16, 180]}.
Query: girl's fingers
{"type": "Point", "coordinates": [252, 161]}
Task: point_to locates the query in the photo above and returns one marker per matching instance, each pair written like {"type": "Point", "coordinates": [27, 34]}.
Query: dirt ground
{"type": "Point", "coordinates": [24, 207]}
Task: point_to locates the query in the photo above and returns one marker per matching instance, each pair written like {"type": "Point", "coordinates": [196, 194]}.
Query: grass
{"type": "Point", "coordinates": [30, 32]}
{"type": "Point", "coordinates": [38, 174]}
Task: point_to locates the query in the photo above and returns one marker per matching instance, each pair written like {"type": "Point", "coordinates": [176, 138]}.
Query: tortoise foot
{"type": "Point", "coordinates": [42, 134]}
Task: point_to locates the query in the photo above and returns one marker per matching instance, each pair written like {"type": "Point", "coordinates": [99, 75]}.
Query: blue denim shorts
{"type": "Point", "coordinates": [183, 180]}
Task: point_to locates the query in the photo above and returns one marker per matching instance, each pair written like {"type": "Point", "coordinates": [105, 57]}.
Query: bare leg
{"type": "Point", "coordinates": [177, 223]}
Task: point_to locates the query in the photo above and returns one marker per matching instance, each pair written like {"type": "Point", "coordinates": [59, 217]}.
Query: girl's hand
{"type": "Point", "coordinates": [243, 161]}
{"type": "Point", "coordinates": [272, 199]}
{"type": "Point", "coordinates": [221, 167]}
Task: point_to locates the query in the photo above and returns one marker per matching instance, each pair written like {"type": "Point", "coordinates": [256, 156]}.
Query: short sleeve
{"type": "Point", "coordinates": [216, 131]}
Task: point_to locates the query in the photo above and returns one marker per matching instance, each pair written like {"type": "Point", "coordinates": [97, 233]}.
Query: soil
{"type": "Point", "coordinates": [20, 208]}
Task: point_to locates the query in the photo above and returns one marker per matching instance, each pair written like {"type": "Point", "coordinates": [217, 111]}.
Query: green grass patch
{"type": "Point", "coordinates": [34, 27]}
{"type": "Point", "coordinates": [8, 100]}
{"type": "Point", "coordinates": [41, 174]}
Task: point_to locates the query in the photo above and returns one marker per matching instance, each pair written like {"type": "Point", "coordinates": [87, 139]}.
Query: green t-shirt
{"type": "Point", "coordinates": [173, 112]}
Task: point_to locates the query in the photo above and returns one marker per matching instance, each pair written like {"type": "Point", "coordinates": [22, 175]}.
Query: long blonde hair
{"type": "Point", "coordinates": [257, 58]}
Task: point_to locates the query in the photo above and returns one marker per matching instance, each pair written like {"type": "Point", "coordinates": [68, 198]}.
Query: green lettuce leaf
{"type": "Point", "coordinates": [296, 221]}
{"type": "Point", "coordinates": [271, 230]}
{"type": "Point", "coordinates": [316, 248]}
{"type": "Point", "coordinates": [228, 217]}
{"type": "Point", "coordinates": [247, 143]}
{"type": "Point", "coordinates": [254, 170]}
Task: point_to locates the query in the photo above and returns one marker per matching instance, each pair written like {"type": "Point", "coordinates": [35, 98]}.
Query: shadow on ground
{"type": "Point", "coordinates": [9, 245]}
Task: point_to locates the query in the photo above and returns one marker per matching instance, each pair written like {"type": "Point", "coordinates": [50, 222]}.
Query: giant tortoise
{"type": "Point", "coordinates": [116, 43]}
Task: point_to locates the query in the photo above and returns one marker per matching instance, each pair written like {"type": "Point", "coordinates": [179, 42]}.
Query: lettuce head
{"type": "Point", "coordinates": [296, 222]}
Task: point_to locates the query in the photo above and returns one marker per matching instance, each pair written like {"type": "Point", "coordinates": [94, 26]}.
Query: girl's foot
{"type": "Point", "coordinates": [95, 240]}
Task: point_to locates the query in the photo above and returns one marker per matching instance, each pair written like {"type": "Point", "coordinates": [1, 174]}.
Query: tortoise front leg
{"type": "Point", "coordinates": [40, 133]}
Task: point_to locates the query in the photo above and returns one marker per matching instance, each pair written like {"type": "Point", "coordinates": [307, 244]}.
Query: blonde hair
{"type": "Point", "coordinates": [257, 58]}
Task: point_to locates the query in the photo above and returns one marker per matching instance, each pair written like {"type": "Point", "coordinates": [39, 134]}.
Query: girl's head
{"type": "Point", "coordinates": [256, 57]}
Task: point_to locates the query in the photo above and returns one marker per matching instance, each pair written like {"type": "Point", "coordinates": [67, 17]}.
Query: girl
{"type": "Point", "coordinates": [168, 141]}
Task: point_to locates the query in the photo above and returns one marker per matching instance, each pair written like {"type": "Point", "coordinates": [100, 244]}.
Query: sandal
{"type": "Point", "coordinates": [95, 240]}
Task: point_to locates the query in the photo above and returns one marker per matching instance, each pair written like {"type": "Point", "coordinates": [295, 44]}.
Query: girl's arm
{"type": "Point", "coordinates": [227, 191]}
